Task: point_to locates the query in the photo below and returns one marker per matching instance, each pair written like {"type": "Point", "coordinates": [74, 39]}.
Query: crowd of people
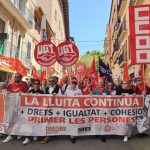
{"type": "Point", "coordinates": [71, 87]}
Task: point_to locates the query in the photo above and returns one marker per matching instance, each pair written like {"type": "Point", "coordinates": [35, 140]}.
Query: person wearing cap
{"type": "Point", "coordinates": [73, 90]}
{"type": "Point", "coordinates": [140, 87]}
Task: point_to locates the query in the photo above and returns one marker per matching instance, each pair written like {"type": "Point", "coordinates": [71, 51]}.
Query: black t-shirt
{"type": "Point", "coordinates": [120, 91]}
{"type": "Point", "coordinates": [37, 91]}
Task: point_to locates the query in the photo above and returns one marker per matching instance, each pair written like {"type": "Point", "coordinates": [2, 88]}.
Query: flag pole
{"type": "Point", "coordinates": [143, 68]}
{"type": "Point", "coordinates": [43, 36]}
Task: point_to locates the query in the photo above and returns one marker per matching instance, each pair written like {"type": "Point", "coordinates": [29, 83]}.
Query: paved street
{"type": "Point", "coordinates": [83, 143]}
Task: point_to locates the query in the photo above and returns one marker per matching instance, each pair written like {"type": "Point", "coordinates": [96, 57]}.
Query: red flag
{"type": "Point", "coordinates": [125, 73]}
{"type": "Point", "coordinates": [43, 74]}
{"type": "Point", "coordinates": [36, 75]}
{"type": "Point", "coordinates": [140, 72]}
{"type": "Point", "coordinates": [92, 72]}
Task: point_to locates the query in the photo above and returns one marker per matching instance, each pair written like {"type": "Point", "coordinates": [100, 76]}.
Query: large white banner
{"type": "Point", "coordinates": [42, 115]}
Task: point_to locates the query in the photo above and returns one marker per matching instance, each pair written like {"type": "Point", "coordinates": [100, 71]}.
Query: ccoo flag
{"type": "Point", "coordinates": [105, 71]}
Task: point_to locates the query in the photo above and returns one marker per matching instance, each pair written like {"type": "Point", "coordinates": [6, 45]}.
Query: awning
{"type": "Point", "coordinates": [12, 65]}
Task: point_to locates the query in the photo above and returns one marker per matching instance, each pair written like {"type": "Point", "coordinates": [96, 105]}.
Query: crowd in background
{"type": "Point", "coordinates": [71, 87]}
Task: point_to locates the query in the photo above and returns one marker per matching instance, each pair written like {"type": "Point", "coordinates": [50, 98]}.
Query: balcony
{"type": "Point", "coordinates": [121, 59]}
{"type": "Point", "coordinates": [121, 7]}
{"type": "Point", "coordinates": [116, 47]}
{"type": "Point", "coordinates": [26, 61]}
{"type": "Point", "coordinates": [10, 50]}
{"type": "Point", "coordinates": [21, 13]}
{"type": "Point", "coordinates": [122, 31]}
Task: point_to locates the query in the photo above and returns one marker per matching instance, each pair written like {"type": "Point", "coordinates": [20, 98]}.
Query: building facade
{"type": "Point", "coordinates": [57, 14]}
{"type": "Point", "coordinates": [117, 40]}
{"type": "Point", "coordinates": [21, 21]}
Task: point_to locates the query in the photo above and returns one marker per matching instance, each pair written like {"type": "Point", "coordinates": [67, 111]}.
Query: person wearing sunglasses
{"type": "Point", "coordinates": [140, 87]}
{"type": "Point", "coordinates": [34, 90]}
{"type": "Point", "coordinates": [110, 87]}
{"type": "Point", "coordinates": [126, 89]}
{"type": "Point", "coordinates": [52, 89]}
{"type": "Point", "coordinates": [17, 87]}
{"type": "Point", "coordinates": [73, 90]}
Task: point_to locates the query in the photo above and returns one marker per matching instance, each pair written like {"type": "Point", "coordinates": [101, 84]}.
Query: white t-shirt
{"type": "Point", "coordinates": [71, 92]}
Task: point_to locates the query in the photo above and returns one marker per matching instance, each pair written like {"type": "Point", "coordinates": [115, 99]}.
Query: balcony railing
{"type": "Point", "coordinates": [21, 6]}
{"type": "Point", "coordinates": [10, 50]}
{"type": "Point", "coordinates": [25, 60]}
{"type": "Point", "coordinates": [116, 47]}
{"type": "Point", "coordinates": [121, 59]}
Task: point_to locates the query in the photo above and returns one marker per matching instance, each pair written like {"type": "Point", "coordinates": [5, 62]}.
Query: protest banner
{"type": "Point", "coordinates": [78, 115]}
{"type": "Point", "coordinates": [1, 112]}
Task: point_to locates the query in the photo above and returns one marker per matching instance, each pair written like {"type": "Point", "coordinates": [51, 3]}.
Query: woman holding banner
{"type": "Point", "coordinates": [125, 89]}
{"type": "Point", "coordinates": [34, 90]}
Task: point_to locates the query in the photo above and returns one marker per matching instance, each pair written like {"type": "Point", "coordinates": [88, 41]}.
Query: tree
{"type": "Point", "coordinates": [88, 57]}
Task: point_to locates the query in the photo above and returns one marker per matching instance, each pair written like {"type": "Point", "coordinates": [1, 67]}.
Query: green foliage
{"type": "Point", "coordinates": [88, 58]}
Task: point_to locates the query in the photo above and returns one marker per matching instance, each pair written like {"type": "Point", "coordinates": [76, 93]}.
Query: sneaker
{"type": "Point", "coordinates": [46, 140]}
{"type": "Point", "coordinates": [125, 138]}
{"type": "Point", "coordinates": [73, 140]}
{"type": "Point", "coordinates": [26, 141]}
{"type": "Point", "coordinates": [8, 139]}
{"type": "Point", "coordinates": [19, 137]}
{"type": "Point", "coordinates": [35, 138]}
{"type": "Point", "coordinates": [103, 139]}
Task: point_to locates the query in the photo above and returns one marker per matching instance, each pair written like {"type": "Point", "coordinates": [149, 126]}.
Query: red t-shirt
{"type": "Point", "coordinates": [19, 87]}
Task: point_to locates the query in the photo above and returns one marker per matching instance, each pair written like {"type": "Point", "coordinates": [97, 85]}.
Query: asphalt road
{"type": "Point", "coordinates": [82, 143]}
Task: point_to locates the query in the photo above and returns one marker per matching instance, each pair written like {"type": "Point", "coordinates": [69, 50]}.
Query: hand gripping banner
{"type": "Point", "coordinates": [43, 115]}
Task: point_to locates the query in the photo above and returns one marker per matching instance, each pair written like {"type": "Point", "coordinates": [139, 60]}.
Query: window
{"type": "Point", "coordinates": [2, 26]}
{"type": "Point", "coordinates": [29, 50]}
{"type": "Point", "coordinates": [18, 47]}
{"type": "Point", "coordinates": [37, 25]}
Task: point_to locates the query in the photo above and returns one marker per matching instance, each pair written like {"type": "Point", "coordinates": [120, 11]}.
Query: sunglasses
{"type": "Point", "coordinates": [74, 83]}
{"type": "Point", "coordinates": [51, 80]}
{"type": "Point", "coordinates": [141, 117]}
{"type": "Point", "coordinates": [124, 83]}
{"type": "Point", "coordinates": [17, 76]}
{"type": "Point", "coordinates": [36, 83]}
{"type": "Point", "coordinates": [138, 80]}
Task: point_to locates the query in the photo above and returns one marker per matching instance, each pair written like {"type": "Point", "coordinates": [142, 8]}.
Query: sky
{"type": "Point", "coordinates": [88, 21]}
